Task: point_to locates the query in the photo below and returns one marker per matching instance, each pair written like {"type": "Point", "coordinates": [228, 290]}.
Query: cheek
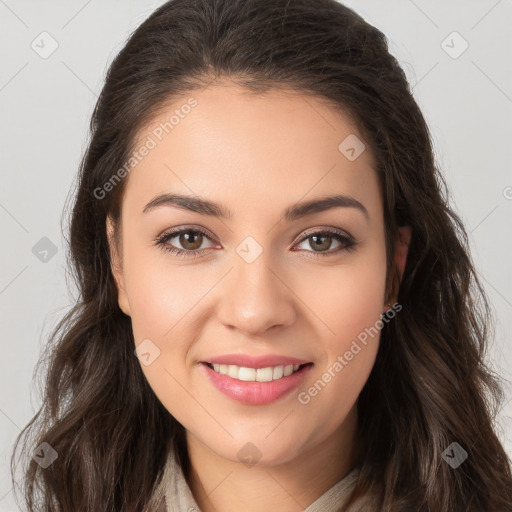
{"type": "Point", "coordinates": [161, 294]}
{"type": "Point", "coordinates": [163, 298]}
{"type": "Point", "coordinates": [346, 299]}
{"type": "Point", "coordinates": [350, 303]}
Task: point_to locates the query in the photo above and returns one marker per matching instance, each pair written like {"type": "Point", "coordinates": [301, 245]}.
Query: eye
{"type": "Point", "coordinates": [191, 240]}
{"type": "Point", "coordinates": [320, 240]}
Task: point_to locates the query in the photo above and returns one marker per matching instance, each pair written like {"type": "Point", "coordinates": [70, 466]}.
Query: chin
{"type": "Point", "coordinates": [257, 453]}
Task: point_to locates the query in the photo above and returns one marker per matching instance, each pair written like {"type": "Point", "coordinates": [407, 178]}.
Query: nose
{"type": "Point", "coordinates": [255, 298]}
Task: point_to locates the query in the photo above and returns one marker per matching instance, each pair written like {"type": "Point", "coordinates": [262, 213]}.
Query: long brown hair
{"type": "Point", "coordinates": [429, 387]}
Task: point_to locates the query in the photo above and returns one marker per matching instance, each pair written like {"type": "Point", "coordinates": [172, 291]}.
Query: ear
{"type": "Point", "coordinates": [401, 250]}
{"type": "Point", "coordinates": [117, 268]}
{"type": "Point", "coordinates": [402, 247]}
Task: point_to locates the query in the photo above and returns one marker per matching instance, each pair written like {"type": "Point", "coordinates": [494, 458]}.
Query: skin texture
{"type": "Point", "coordinates": [256, 155]}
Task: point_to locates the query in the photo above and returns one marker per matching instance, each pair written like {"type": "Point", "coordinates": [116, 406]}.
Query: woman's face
{"type": "Point", "coordinates": [261, 282]}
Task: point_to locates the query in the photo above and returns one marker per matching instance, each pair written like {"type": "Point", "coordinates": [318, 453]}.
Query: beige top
{"type": "Point", "coordinates": [179, 498]}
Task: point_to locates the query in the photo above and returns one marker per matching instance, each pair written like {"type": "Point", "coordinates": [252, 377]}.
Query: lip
{"type": "Point", "coordinates": [256, 393]}
{"type": "Point", "coordinates": [255, 361]}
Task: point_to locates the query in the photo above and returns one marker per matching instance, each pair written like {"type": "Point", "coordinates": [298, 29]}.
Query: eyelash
{"type": "Point", "coordinates": [348, 243]}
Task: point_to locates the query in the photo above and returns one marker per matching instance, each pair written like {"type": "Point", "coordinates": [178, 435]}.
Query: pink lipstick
{"type": "Point", "coordinates": [255, 380]}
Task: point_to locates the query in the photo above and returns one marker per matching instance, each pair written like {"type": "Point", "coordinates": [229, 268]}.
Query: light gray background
{"type": "Point", "coordinates": [46, 105]}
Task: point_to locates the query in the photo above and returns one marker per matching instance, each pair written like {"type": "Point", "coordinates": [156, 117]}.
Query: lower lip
{"type": "Point", "coordinates": [256, 393]}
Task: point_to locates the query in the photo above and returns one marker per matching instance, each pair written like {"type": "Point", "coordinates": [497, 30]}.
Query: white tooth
{"type": "Point", "coordinates": [247, 373]}
{"type": "Point", "coordinates": [251, 374]}
{"type": "Point", "coordinates": [264, 374]}
{"type": "Point", "coordinates": [233, 371]}
{"type": "Point", "coordinates": [278, 372]}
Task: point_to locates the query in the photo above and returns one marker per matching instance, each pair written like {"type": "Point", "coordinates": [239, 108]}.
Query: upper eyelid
{"type": "Point", "coordinates": [337, 231]}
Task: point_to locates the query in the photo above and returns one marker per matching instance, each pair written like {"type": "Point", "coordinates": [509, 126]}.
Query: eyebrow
{"type": "Point", "coordinates": [294, 212]}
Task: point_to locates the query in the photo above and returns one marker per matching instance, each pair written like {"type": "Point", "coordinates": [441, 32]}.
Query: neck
{"type": "Point", "coordinates": [219, 484]}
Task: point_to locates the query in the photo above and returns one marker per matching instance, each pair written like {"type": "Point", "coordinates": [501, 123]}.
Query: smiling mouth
{"type": "Point", "coordinates": [247, 374]}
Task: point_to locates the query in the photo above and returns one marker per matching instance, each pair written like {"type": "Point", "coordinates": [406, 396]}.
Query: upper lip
{"type": "Point", "coordinates": [249, 361]}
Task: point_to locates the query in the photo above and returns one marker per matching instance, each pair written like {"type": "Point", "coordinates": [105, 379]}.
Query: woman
{"type": "Point", "coordinates": [278, 307]}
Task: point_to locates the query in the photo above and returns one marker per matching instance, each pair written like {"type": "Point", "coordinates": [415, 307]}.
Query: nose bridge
{"type": "Point", "coordinates": [255, 297]}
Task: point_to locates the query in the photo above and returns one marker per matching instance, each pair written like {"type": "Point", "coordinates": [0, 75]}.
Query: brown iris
{"type": "Point", "coordinates": [193, 238]}
{"type": "Point", "coordinates": [320, 246]}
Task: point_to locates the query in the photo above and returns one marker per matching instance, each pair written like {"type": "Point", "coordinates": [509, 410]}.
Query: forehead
{"type": "Point", "coordinates": [245, 150]}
